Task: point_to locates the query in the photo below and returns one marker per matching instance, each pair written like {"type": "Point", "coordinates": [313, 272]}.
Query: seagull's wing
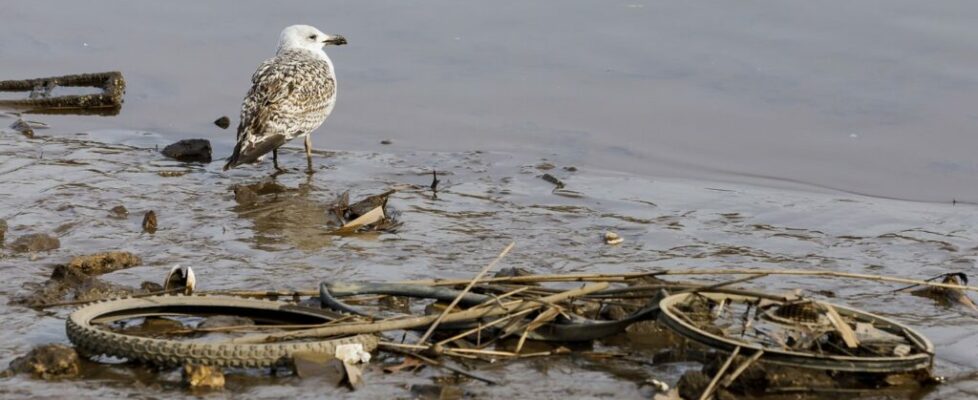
{"type": "Point", "coordinates": [288, 97]}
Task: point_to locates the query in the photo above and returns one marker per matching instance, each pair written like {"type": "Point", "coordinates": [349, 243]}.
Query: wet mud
{"type": "Point", "coordinates": [249, 230]}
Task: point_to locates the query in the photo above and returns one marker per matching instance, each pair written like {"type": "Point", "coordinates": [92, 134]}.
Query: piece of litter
{"type": "Point", "coordinates": [612, 238]}
{"type": "Point", "coordinates": [352, 353]}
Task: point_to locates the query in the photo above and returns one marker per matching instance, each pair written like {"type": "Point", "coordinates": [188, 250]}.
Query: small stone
{"type": "Point", "coordinates": [119, 212]}
{"type": "Point", "coordinates": [570, 169]}
{"type": "Point", "coordinates": [102, 263]}
{"type": "Point", "coordinates": [224, 122]}
{"type": "Point", "coordinates": [385, 141]}
{"type": "Point", "coordinates": [545, 166]}
{"type": "Point", "coordinates": [310, 364]}
{"type": "Point", "coordinates": [612, 238]}
{"type": "Point", "coordinates": [23, 127]}
{"type": "Point", "coordinates": [35, 242]}
{"type": "Point", "coordinates": [149, 222]}
{"type": "Point", "coordinates": [151, 287]}
{"type": "Point", "coordinates": [692, 384]}
{"type": "Point", "coordinates": [189, 150]}
{"type": "Point", "coordinates": [203, 377]}
{"type": "Point", "coordinates": [49, 362]}
{"type": "Point", "coordinates": [3, 230]}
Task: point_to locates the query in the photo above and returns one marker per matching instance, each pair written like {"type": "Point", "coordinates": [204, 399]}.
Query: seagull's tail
{"type": "Point", "coordinates": [249, 149]}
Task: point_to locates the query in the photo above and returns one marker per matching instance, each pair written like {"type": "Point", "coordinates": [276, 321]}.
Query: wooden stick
{"type": "Point", "coordinates": [848, 336]}
{"type": "Point", "coordinates": [413, 322]}
{"type": "Point", "coordinates": [729, 380]}
{"type": "Point", "coordinates": [708, 392]}
{"type": "Point", "coordinates": [439, 364]}
{"type": "Point", "coordinates": [434, 325]}
{"type": "Point", "coordinates": [484, 326]}
{"type": "Point", "coordinates": [627, 276]}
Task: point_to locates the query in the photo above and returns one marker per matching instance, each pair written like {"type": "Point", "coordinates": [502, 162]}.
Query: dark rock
{"type": "Point", "coordinates": [102, 263]}
{"type": "Point", "coordinates": [224, 122]}
{"type": "Point", "coordinates": [570, 169]}
{"type": "Point", "coordinates": [190, 150]}
{"type": "Point", "coordinates": [3, 230]}
{"type": "Point", "coordinates": [151, 287]}
{"type": "Point", "coordinates": [49, 362]}
{"type": "Point", "coordinates": [692, 384]}
{"type": "Point", "coordinates": [385, 141]}
{"type": "Point", "coordinates": [545, 166]}
{"type": "Point", "coordinates": [149, 222]}
{"type": "Point", "coordinates": [553, 179]}
{"type": "Point", "coordinates": [35, 242]}
{"type": "Point", "coordinates": [119, 212]}
{"type": "Point", "coordinates": [309, 364]}
{"type": "Point", "coordinates": [23, 127]}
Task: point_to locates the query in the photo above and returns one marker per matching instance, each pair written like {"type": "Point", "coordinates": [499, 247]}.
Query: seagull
{"type": "Point", "coordinates": [291, 95]}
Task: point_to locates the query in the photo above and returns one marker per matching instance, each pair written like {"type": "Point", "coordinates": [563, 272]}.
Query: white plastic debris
{"type": "Point", "coordinates": [180, 277]}
{"type": "Point", "coordinates": [612, 238]}
{"type": "Point", "coordinates": [352, 353]}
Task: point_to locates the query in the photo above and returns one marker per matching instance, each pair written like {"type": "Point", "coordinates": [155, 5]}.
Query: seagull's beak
{"type": "Point", "coordinates": [335, 39]}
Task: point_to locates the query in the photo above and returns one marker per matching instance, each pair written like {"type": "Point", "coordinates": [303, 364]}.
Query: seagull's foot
{"type": "Point", "coordinates": [279, 171]}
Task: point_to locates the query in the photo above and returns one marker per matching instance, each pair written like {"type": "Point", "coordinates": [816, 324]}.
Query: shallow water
{"type": "Point", "coordinates": [707, 136]}
{"type": "Point", "coordinates": [67, 186]}
{"type": "Point", "coordinates": [871, 97]}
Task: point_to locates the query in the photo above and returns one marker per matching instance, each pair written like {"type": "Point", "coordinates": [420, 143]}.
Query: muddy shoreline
{"type": "Point", "coordinates": [68, 187]}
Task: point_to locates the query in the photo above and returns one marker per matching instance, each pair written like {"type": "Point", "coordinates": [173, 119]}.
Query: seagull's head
{"type": "Point", "coordinates": [308, 38]}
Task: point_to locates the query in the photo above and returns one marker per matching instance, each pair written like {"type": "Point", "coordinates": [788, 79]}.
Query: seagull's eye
{"type": "Point", "coordinates": [313, 37]}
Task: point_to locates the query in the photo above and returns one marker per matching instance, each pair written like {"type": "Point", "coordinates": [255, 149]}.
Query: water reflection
{"type": "Point", "coordinates": [283, 217]}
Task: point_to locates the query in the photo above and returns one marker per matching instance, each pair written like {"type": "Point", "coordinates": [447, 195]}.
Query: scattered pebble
{"type": "Point", "coordinates": [203, 377]}
{"type": "Point", "coordinates": [35, 242]}
{"type": "Point", "coordinates": [309, 364]}
{"type": "Point", "coordinates": [189, 150]}
{"type": "Point", "coordinates": [23, 127]}
{"type": "Point", "coordinates": [224, 122]}
{"type": "Point", "coordinates": [553, 179]}
{"type": "Point", "coordinates": [149, 222]}
{"type": "Point", "coordinates": [119, 212]}
{"type": "Point", "coordinates": [612, 238]}
{"type": "Point", "coordinates": [48, 362]}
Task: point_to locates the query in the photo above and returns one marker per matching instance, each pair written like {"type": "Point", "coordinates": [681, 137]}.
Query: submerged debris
{"type": "Point", "coordinates": [23, 127]}
{"type": "Point", "coordinates": [48, 362]}
{"type": "Point", "coordinates": [949, 296]}
{"type": "Point", "coordinates": [35, 242]}
{"type": "Point", "coordinates": [189, 150]}
{"type": "Point", "coordinates": [369, 214]}
{"type": "Point", "coordinates": [107, 102]}
{"type": "Point", "coordinates": [224, 122]}
{"type": "Point", "coordinates": [203, 377]}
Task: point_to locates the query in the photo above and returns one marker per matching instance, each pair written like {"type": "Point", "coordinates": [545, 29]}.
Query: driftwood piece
{"type": "Point", "coordinates": [108, 102]}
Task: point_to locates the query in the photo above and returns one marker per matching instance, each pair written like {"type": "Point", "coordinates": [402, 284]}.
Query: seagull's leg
{"type": "Point", "coordinates": [309, 154]}
{"type": "Point", "coordinates": [275, 161]}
